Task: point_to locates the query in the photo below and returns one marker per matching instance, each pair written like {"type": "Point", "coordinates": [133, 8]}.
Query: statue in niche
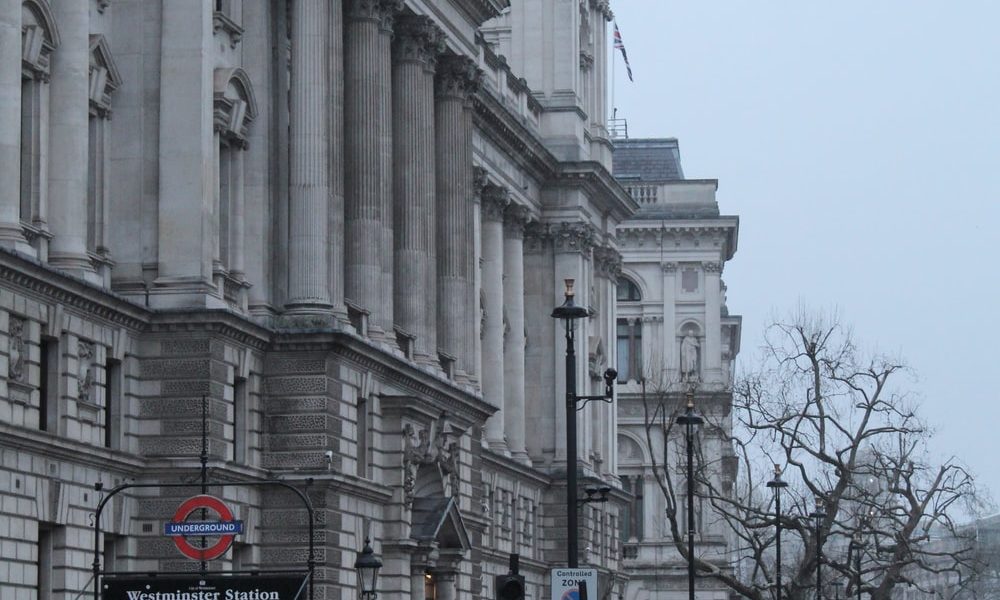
{"type": "Point", "coordinates": [85, 373]}
{"type": "Point", "coordinates": [689, 357]}
{"type": "Point", "coordinates": [16, 349]}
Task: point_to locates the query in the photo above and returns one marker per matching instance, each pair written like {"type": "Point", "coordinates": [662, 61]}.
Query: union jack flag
{"type": "Point", "coordinates": [620, 45]}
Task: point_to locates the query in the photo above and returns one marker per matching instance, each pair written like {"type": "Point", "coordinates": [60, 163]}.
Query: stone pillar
{"type": "Point", "coordinates": [368, 154]}
{"type": "Point", "coordinates": [68, 138]}
{"type": "Point", "coordinates": [671, 366]}
{"type": "Point", "coordinates": [445, 581]}
{"type": "Point", "coordinates": [10, 122]}
{"type": "Point", "coordinates": [712, 352]}
{"type": "Point", "coordinates": [494, 201]}
{"type": "Point", "coordinates": [335, 239]}
{"type": "Point", "coordinates": [309, 159]}
{"type": "Point", "coordinates": [515, 218]}
{"type": "Point", "coordinates": [457, 79]}
{"type": "Point", "coordinates": [415, 48]}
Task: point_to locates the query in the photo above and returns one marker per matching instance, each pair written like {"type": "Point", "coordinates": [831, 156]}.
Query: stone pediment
{"type": "Point", "coordinates": [437, 519]}
{"type": "Point", "coordinates": [104, 75]}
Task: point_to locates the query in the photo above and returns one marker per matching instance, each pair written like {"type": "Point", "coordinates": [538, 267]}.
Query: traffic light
{"type": "Point", "coordinates": [509, 587]}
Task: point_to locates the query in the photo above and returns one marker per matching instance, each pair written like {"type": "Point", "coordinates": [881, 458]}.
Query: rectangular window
{"type": "Point", "coordinates": [112, 403]}
{"type": "Point", "coordinates": [48, 385]}
{"type": "Point", "coordinates": [364, 426]}
{"type": "Point", "coordinates": [44, 563]}
{"type": "Point", "coordinates": [241, 418]}
{"type": "Point", "coordinates": [110, 553]}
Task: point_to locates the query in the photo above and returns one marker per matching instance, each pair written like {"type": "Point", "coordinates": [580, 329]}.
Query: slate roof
{"type": "Point", "coordinates": [650, 159]}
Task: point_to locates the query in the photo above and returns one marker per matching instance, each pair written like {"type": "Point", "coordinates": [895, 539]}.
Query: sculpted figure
{"type": "Point", "coordinates": [689, 357]}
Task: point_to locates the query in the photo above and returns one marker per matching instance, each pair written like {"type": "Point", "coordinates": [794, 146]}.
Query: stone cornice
{"type": "Point", "coordinates": [638, 234]}
{"type": "Point", "coordinates": [55, 447]}
{"type": "Point", "coordinates": [52, 286]}
{"type": "Point", "coordinates": [516, 141]}
{"type": "Point", "coordinates": [220, 321]}
{"type": "Point", "coordinates": [464, 404]}
{"type": "Point", "coordinates": [497, 462]}
{"type": "Point", "coordinates": [604, 191]}
{"type": "Point", "coordinates": [480, 11]}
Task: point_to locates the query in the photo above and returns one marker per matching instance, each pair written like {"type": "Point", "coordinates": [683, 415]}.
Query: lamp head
{"type": "Point", "coordinates": [569, 311]}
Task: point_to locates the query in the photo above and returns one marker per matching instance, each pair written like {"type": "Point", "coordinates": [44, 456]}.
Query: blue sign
{"type": "Point", "coordinates": [186, 528]}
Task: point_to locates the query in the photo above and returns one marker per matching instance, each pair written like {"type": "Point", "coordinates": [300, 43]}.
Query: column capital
{"type": "Point", "coordinates": [574, 237]}
{"type": "Point", "coordinates": [417, 39]}
{"type": "Point", "coordinates": [669, 267]}
{"type": "Point", "coordinates": [382, 12]}
{"type": "Point", "coordinates": [494, 200]}
{"type": "Point", "coordinates": [515, 220]}
{"type": "Point", "coordinates": [457, 76]}
{"type": "Point", "coordinates": [712, 267]}
{"type": "Point", "coordinates": [607, 262]}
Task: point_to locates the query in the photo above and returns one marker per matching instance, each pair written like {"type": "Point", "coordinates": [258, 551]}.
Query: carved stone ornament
{"type": "Point", "coordinates": [515, 219]}
{"type": "Point", "coordinates": [457, 76]}
{"type": "Point", "coordinates": [608, 262]}
{"type": "Point", "coordinates": [85, 369]}
{"type": "Point", "coordinates": [380, 11]}
{"type": "Point", "coordinates": [494, 201]}
{"type": "Point", "coordinates": [17, 352]}
{"type": "Point", "coordinates": [573, 237]}
{"type": "Point", "coordinates": [416, 38]}
{"type": "Point", "coordinates": [712, 267]}
{"type": "Point", "coordinates": [437, 444]}
{"type": "Point", "coordinates": [669, 267]}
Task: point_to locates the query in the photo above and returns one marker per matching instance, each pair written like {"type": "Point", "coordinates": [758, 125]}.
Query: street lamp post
{"type": "Point", "coordinates": [818, 515]}
{"type": "Point", "coordinates": [569, 312]}
{"type": "Point", "coordinates": [855, 547]}
{"type": "Point", "coordinates": [689, 420]}
{"type": "Point", "coordinates": [777, 484]}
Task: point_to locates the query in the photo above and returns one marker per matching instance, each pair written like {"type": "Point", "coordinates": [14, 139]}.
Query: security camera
{"type": "Point", "coordinates": [609, 382]}
{"type": "Point", "coordinates": [329, 455]}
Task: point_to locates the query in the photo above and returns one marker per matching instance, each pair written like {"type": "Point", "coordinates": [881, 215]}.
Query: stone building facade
{"type": "Point", "coordinates": [340, 227]}
{"type": "Point", "coordinates": [674, 333]}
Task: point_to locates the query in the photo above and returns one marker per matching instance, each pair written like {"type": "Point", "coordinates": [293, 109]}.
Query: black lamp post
{"type": "Point", "coordinates": [690, 420]}
{"type": "Point", "coordinates": [855, 548]}
{"type": "Point", "coordinates": [777, 484]}
{"type": "Point", "coordinates": [569, 312]}
{"type": "Point", "coordinates": [367, 566]}
{"type": "Point", "coordinates": [818, 515]}
{"type": "Point", "coordinates": [836, 588]}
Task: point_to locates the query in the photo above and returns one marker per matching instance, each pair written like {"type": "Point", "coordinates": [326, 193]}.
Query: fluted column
{"type": "Point", "coordinates": [513, 356]}
{"type": "Point", "coordinates": [712, 352]}
{"type": "Point", "coordinates": [416, 44]}
{"type": "Point", "coordinates": [68, 137]}
{"type": "Point", "coordinates": [10, 122]}
{"type": "Point", "coordinates": [368, 152]}
{"type": "Point", "coordinates": [456, 81]}
{"type": "Point", "coordinates": [308, 154]}
{"type": "Point", "coordinates": [335, 239]}
{"type": "Point", "coordinates": [671, 365]}
{"type": "Point", "coordinates": [494, 200]}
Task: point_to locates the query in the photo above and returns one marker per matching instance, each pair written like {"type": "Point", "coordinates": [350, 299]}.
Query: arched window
{"type": "Point", "coordinates": [39, 38]}
{"type": "Point", "coordinates": [235, 109]}
{"type": "Point", "coordinates": [104, 80]}
{"type": "Point", "coordinates": [628, 291]}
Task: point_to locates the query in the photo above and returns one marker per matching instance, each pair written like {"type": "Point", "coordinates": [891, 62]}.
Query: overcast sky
{"type": "Point", "coordinates": [859, 143]}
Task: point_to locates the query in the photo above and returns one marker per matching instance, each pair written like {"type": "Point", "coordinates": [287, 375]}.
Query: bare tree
{"type": "Point", "coordinates": [849, 440]}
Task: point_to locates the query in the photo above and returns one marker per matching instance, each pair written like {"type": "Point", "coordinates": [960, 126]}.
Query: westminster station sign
{"type": "Point", "coordinates": [208, 587]}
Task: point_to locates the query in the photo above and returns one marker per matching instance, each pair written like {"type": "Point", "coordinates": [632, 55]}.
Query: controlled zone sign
{"type": "Point", "coordinates": [566, 583]}
{"type": "Point", "coordinates": [225, 528]}
{"type": "Point", "coordinates": [209, 587]}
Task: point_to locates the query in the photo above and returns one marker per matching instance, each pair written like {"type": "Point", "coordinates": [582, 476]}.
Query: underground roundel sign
{"type": "Point", "coordinates": [223, 530]}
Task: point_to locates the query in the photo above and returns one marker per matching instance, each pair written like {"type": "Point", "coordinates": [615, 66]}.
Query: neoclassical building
{"type": "Point", "coordinates": [337, 226]}
{"type": "Point", "coordinates": [674, 334]}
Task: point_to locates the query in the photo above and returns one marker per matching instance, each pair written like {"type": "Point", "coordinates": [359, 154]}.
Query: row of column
{"type": "Point", "coordinates": [68, 130]}
{"type": "Point", "coordinates": [503, 328]}
{"type": "Point", "coordinates": [394, 141]}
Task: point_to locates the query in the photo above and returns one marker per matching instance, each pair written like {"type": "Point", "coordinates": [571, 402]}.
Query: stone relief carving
{"type": "Point", "coordinates": [85, 369]}
{"type": "Point", "coordinates": [495, 200]}
{"type": "Point", "coordinates": [574, 237]}
{"type": "Point", "coordinates": [607, 262]}
{"type": "Point", "coordinates": [438, 444]}
{"type": "Point", "coordinates": [17, 352]}
{"type": "Point", "coordinates": [457, 76]}
{"type": "Point", "coordinates": [417, 38]}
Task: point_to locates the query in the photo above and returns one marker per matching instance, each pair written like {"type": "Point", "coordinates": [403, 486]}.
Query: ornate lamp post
{"type": "Point", "coordinates": [818, 515]}
{"type": "Point", "coordinates": [367, 566]}
{"type": "Point", "coordinates": [569, 313]}
{"type": "Point", "coordinates": [690, 420]}
{"type": "Point", "coordinates": [777, 484]}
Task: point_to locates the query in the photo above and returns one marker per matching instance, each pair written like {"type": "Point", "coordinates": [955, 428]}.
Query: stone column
{"type": "Point", "coordinates": [445, 581]}
{"type": "Point", "coordinates": [309, 159]}
{"type": "Point", "coordinates": [515, 218]}
{"type": "Point", "coordinates": [456, 81]}
{"type": "Point", "coordinates": [10, 122]}
{"type": "Point", "coordinates": [712, 352]}
{"type": "Point", "coordinates": [415, 48]}
{"type": "Point", "coordinates": [335, 239]}
{"type": "Point", "coordinates": [68, 138]}
{"type": "Point", "coordinates": [368, 153]}
{"type": "Point", "coordinates": [494, 200]}
{"type": "Point", "coordinates": [671, 366]}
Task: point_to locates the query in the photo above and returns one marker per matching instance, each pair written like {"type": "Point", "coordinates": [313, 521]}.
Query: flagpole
{"type": "Point", "coordinates": [614, 81]}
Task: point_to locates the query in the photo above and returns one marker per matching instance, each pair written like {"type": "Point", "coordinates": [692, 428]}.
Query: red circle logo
{"type": "Point", "coordinates": [225, 528]}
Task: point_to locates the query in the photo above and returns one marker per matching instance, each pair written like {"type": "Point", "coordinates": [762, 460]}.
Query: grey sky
{"type": "Point", "coordinates": [858, 141]}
